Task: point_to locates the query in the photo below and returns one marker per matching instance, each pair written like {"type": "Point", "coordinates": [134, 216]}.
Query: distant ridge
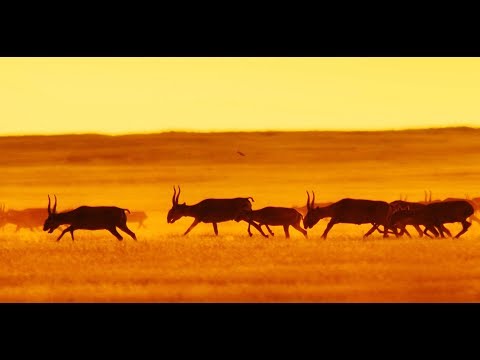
{"type": "Point", "coordinates": [266, 132]}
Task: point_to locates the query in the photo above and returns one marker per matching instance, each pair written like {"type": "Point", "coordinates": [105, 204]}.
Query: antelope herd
{"type": "Point", "coordinates": [393, 217]}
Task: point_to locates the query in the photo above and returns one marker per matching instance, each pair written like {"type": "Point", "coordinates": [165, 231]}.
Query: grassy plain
{"type": "Point", "coordinates": [138, 172]}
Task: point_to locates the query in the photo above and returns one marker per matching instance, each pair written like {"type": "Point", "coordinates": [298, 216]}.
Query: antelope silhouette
{"type": "Point", "coordinates": [350, 211]}
{"type": "Point", "coordinates": [277, 216]}
{"type": "Point", "coordinates": [88, 218]}
{"type": "Point", "coordinates": [212, 211]}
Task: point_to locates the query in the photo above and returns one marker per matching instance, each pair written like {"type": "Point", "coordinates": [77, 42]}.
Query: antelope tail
{"type": "Point", "coordinates": [126, 210]}
{"type": "Point", "coordinates": [251, 198]}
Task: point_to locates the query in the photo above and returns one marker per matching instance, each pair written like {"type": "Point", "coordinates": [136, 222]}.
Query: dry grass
{"type": "Point", "coordinates": [236, 268]}
{"type": "Point", "coordinates": [138, 171]}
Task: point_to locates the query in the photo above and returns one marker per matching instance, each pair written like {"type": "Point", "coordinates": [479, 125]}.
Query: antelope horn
{"type": "Point", "coordinates": [313, 200]}
{"type": "Point", "coordinates": [173, 197]}
{"type": "Point", "coordinates": [54, 210]}
{"type": "Point", "coordinates": [178, 195]}
{"type": "Point", "coordinates": [308, 201]}
{"type": "Point", "coordinates": [430, 196]}
{"type": "Point", "coordinates": [49, 211]}
{"type": "Point", "coordinates": [426, 198]}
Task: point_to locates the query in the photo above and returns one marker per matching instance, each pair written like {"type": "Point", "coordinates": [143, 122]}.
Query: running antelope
{"type": "Point", "coordinates": [138, 217]}
{"type": "Point", "coordinates": [277, 216]}
{"type": "Point", "coordinates": [26, 218]}
{"type": "Point", "coordinates": [350, 211]}
{"type": "Point", "coordinates": [438, 213]}
{"type": "Point", "coordinates": [400, 218]}
{"type": "Point", "coordinates": [88, 218]}
{"type": "Point", "coordinates": [472, 202]}
{"type": "Point", "coordinates": [212, 211]}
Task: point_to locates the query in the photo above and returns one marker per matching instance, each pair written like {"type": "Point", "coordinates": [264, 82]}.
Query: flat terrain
{"type": "Point", "coordinates": [138, 171]}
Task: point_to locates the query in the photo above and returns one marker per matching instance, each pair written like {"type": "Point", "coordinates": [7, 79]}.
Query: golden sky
{"type": "Point", "coordinates": [139, 95]}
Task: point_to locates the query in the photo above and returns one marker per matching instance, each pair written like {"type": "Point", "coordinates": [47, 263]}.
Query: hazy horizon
{"type": "Point", "coordinates": [221, 131]}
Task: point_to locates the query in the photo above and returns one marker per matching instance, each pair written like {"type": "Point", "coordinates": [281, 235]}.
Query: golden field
{"type": "Point", "coordinates": [138, 171]}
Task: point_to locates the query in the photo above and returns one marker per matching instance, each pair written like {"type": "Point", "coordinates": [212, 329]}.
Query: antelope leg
{"type": "Point", "coordinates": [195, 223]}
{"type": "Point", "coordinates": [299, 228]}
{"type": "Point", "coordinates": [329, 226]}
{"type": "Point", "coordinates": [64, 232]}
{"type": "Point", "coordinates": [465, 225]}
{"type": "Point", "coordinates": [256, 226]}
{"type": "Point", "coordinates": [270, 231]}
{"type": "Point", "coordinates": [374, 227]}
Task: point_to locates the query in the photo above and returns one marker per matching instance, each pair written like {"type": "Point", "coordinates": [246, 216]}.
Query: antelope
{"type": "Point", "coordinates": [350, 211]}
{"type": "Point", "coordinates": [398, 206]}
{"type": "Point", "coordinates": [276, 216]}
{"type": "Point", "coordinates": [88, 218]}
{"type": "Point", "coordinates": [472, 202]}
{"type": "Point", "coordinates": [402, 217]}
{"type": "Point", "coordinates": [138, 217]}
{"type": "Point", "coordinates": [439, 213]}
{"type": "Point", "coordinates": [212, 211]}
{"type": "Point", "coordinates": [453, 211]}
{"type": "Point", "coordinates": [26, 218]}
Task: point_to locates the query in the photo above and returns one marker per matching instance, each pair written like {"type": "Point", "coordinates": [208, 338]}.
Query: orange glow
{"type": "Point", "coordinates": [141, 95]}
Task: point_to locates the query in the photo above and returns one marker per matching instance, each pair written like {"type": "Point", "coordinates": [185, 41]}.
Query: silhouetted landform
{"type": "Point", "coordinates": [217, 148]}
{"type": "Point", "coordinates": [138, 170]}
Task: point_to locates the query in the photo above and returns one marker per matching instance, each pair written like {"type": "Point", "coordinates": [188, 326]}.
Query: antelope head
{"type": "Point", "coordinates": [177, 210]}
{"type": "Point", "coordinates": [51, 223]}
{"type": "Point", "coordinates": [313, 215]}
